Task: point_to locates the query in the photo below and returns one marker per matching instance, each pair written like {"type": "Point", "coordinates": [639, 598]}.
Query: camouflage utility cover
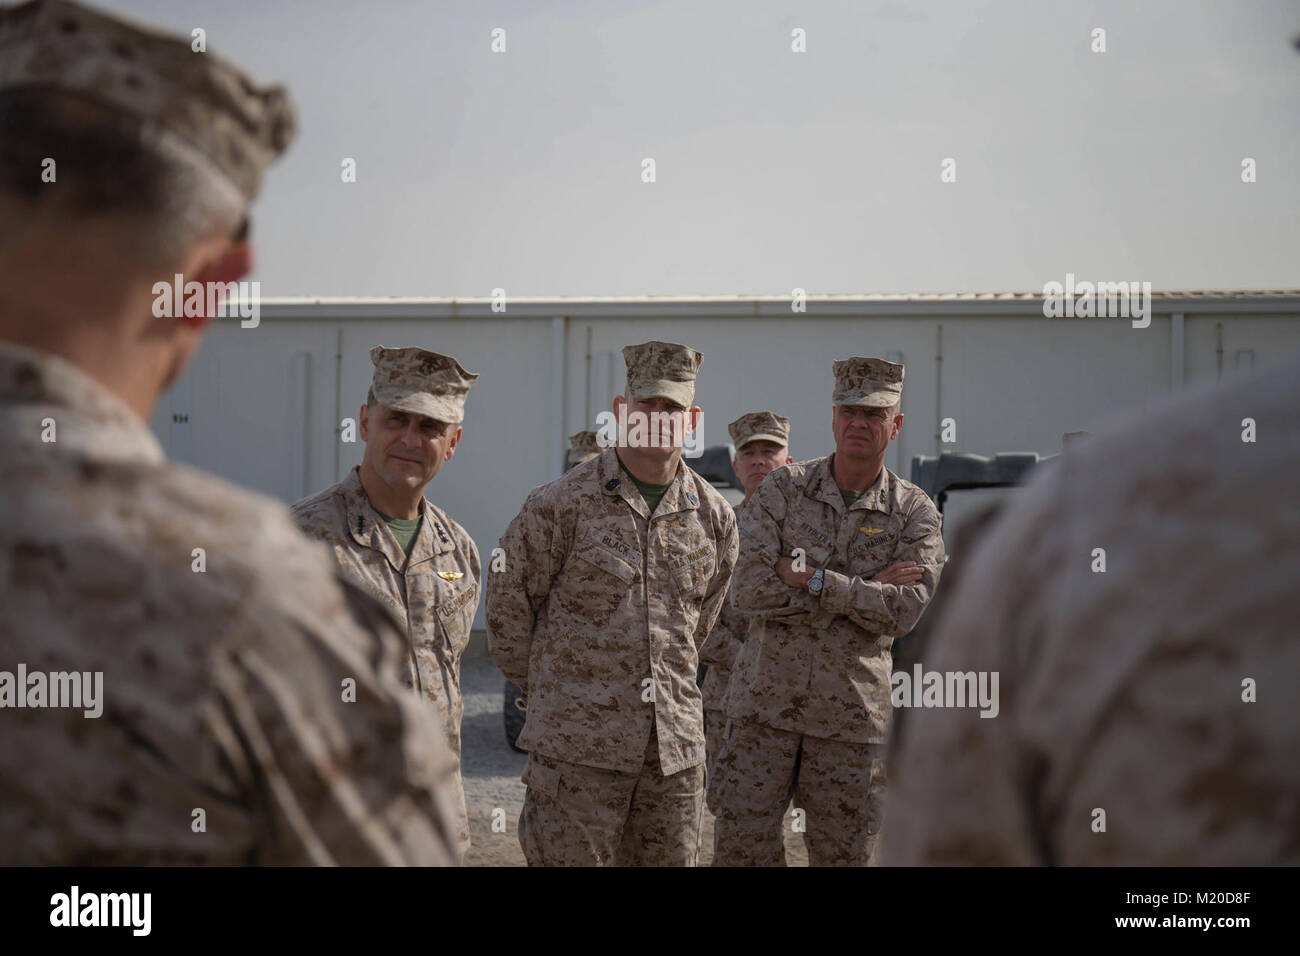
{"type": "Point", "coordinates": [820, 665]}
{"type": "Point", "coordinates": [422, 382]}
{"type": "Point", "coordinates": [756, 426]}
{"type": "Point", "coordinates": [223, 688]}
{"type": "Point", "coordinates": [662, 370]}
{"type": "Point", "coordinates": [868, 381]}
{"type": "Point", "coordinates": [599, 604]}
{"type": "Point", "coordinates": [211, 104]}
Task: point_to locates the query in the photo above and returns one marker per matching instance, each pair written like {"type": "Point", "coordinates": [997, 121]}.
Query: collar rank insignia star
{"type": "Point", "coordinates": [451, 575]}
{"type": "Point", "coordinates": [870, 531]}
{"type": "Point", "coordinates": [692, 499]}
{"type": "Point", "coordinates": [611, 484]}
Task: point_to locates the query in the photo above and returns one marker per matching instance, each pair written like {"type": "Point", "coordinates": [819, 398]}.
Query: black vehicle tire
{"type": "Point", "coordinates": [514, 717]}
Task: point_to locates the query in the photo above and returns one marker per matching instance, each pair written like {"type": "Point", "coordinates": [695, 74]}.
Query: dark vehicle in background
{"type": "Point", "coordinates": [962, 485]}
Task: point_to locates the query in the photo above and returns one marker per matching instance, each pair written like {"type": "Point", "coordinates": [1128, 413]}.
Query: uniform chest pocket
{"type": "Point", "coordinates": [596, 583]}
{"type": "Point", "coordinates": [608, 562]}
{"type": "Point", "coordinates": [371, 570]}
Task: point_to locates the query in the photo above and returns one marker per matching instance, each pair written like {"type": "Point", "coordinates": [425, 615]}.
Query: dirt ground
{"type": "Point", "coordinates": [491, 771]}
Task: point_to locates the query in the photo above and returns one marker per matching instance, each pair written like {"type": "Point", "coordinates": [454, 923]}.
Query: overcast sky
{"type": "Point", "coordinates": [523, 170]}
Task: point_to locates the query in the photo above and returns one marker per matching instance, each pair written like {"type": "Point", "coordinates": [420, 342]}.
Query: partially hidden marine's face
{"type": "Point", "coordinates": [756, 459]}
{"type": "Point", "coordinates": [405, 449]}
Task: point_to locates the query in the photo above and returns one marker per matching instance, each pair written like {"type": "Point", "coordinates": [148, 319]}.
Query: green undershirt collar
{"type": "Point", "coordinates": [405, 530]}
{"type": "Point", "coordinates": [650, 494]}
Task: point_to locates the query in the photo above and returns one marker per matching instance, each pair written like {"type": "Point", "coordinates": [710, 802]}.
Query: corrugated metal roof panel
{"type": "Point", "coordinates": [896, 305]}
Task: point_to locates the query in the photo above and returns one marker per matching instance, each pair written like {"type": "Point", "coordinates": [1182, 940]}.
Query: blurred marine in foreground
{"type": "Point", "coordinates": [183, 677]}
{"type": "Point", "coordinates": [1140, 604]}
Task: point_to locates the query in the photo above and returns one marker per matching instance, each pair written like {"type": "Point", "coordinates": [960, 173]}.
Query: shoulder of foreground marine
{"type": "Point", "coordinates": [235, 512]}
{"type": "Point", "coordinates": [258, 565]}
{"type": "Point", "coordinates": [253, 545]}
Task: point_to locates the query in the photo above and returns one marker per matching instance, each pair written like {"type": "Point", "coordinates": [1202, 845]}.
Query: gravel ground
{"type": "Point", "coordinates": [490, 768]}
{"type": "Point", "coordinates": [491, 771]}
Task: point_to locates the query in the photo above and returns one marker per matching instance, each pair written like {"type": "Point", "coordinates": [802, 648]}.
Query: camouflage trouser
{"type": "Point", "coordinates": [715, 722]}
{"type": "Point", "coordinates": [838, 789]}
{"type": "Point", "coordinates": [581, 816]}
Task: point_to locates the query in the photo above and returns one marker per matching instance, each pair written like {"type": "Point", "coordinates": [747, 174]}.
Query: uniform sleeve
{"type": "Point", "coordinates": [467, 614]}
{"type": "Point", "coordinates": [337, 761]}
{"type": "Point", "coordinates": [758, 593]}
{"type": "Point", "coordinates": [517, 591]}
{"type": "Point", "coordinates": [723, 644]}
{"type": "Point", "coordinates": [476, 569]}
{"type": "Point", "coordinates": [715, 598]}
{"type": "Point", "coordinates": [890, 609]}
{"type": "Point", "coordinates": [965, 788]}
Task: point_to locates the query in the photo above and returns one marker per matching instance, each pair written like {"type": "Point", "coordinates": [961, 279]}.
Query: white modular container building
{"type": "Point", "coordinates": [264, 406]}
